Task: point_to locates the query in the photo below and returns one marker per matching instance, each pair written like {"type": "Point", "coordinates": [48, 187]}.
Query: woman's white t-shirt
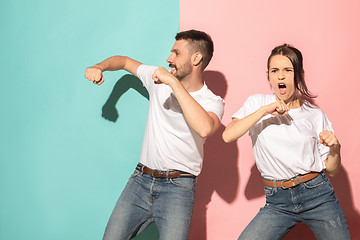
{"type": "Point", "coordinates": [286, 146]}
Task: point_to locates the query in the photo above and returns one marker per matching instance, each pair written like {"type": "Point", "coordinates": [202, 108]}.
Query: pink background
{"type": "Point", "coordinates": [229, 191]}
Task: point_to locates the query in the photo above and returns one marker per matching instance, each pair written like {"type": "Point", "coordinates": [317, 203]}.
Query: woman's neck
{"type": "Point", "coordinates": [292, 102]}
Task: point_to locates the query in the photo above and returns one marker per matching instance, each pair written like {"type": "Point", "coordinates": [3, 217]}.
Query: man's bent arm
{"type": "Point", "coordinates": [114, 63]}
{"type": "Point", "coordinates": [202, 122]}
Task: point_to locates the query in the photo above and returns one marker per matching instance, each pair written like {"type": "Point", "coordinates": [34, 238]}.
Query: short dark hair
{"type": "Point", "coordinates": [295, 57]}
{"type": "Point", "coordinates": [199, 42]}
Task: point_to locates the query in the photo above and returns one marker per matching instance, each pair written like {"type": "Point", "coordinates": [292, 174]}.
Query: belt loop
{"type": "Point", "coordinates": [274, 183]}
{"type": "Point", "coordinates": [167, 175]}
{"type": "Point", "coordinates": [298, 178]}
{"type": "Point", "coordinates": [142, 169]}
{"type": "Point", "coordinates": [293, 182]}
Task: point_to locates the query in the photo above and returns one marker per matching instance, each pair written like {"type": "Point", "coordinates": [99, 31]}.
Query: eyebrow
{"type": "Point", "coordinates": [276, 68]}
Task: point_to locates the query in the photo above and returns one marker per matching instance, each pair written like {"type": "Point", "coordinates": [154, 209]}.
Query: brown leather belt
{"type": "Point", "coordinates": [163, 174]}
{"type": "Point", "coordinates": [292, 182]}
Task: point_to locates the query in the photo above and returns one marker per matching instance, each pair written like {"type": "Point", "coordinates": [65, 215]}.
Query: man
{"type": "Point", "coordinates": [183, 112]}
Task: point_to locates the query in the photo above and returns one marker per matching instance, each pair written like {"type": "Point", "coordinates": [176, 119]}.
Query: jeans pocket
{"type": "Point", "coordinates": [316, 182]}
{"type": "Point", "coordinates": [269, 191]}
{"type": "Point", "coordinates": [135, 173]}
{"type": "Point", "coordinates": [185, 182]}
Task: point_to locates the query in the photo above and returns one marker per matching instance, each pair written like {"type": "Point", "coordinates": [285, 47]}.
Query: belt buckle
{"type": "Point", "coordinates": [292, 182]}
{"type": "Point", "coordinates": [154, 173]}
{"type": "Point", "coordinates": [158, 174]}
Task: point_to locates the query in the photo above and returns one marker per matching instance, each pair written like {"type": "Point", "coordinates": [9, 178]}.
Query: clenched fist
{"type": "Point", "coordinates": [161, 75]}
{"type": "Point", "coordinates": [95, 75]}
{"type": "Point", "coordinates": [329, 139]}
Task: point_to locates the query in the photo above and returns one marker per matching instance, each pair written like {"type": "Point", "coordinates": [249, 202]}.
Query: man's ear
{"type": "Point", "coordinates": [197, 58]}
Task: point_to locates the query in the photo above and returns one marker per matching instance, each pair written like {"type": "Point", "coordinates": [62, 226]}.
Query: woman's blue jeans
{"type": "Point", "coordinates": [146, 199]}
{"type": "Point", "coordinates": [313, 203]}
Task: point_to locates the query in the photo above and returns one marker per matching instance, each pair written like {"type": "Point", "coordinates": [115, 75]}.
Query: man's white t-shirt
{"type": "Point", "coordinates": [169, 142]}
{"type": "Point", "coordinates": [286, 146]}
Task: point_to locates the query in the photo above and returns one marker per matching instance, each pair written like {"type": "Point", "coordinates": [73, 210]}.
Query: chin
{"type": "Point", "coordinates": [175, 75]}
{"type": "Point", "coordinates": [283, 97]}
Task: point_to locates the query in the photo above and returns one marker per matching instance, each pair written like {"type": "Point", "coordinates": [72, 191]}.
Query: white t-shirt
{"type": "Point", "coordinates": [286, 146]}
{"type": "Point", "coordinates": [169, 142]}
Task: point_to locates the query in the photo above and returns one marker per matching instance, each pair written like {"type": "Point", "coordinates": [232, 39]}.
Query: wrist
{"type": "Point", "coordinates": [173, 82]}
{"type": "Point", "coordinates": [98, 66]}
{"type": "Point", "coordinates": [335, 149]}
{"type": "Point", "coordinates": [263, 111]}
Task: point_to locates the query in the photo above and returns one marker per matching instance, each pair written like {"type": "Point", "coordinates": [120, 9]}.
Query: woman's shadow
{"type": "Point", "coordinates": [220, 170]}
{"type": "Point", "coordinates": [341, 184]}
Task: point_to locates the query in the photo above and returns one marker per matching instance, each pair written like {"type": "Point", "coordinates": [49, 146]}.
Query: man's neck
{"type": "Point", "coordinates": [193, 82]}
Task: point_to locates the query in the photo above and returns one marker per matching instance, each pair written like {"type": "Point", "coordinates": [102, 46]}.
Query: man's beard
{"type": "Point", "coordinates": [183, 71]}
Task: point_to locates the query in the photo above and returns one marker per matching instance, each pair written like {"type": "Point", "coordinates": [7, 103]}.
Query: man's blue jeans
{"type": "Point", "coordinates": [145, 199]}
{"type": "Point", "coordinates": [313, 202]}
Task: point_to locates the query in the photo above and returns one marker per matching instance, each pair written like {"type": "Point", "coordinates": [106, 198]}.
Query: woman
{"type": "Point", "coordinates": [293, 142]}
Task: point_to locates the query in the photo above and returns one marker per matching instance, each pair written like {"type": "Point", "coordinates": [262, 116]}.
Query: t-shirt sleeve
{"type": "Point", "coordinates": [144, 73]}
{"type": "Point", "coordinates": [214, 105]}
{"type": "Point", "coordinates": [248, 108]}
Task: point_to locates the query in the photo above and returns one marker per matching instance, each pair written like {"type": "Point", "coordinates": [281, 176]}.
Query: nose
{"type": "Point", "coordinates": [281, 75]}
{"type": "Point", "coordinates": [170, 58]}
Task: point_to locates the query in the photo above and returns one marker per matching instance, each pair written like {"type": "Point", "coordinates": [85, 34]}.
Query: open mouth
{"type": "Point", "coordinates": [282, 88]}
{"type": "Point", "coordinates": [173, 68]}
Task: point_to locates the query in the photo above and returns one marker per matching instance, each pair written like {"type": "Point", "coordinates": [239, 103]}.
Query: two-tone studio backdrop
{"type": "Point", "coordinates": [67, 146]}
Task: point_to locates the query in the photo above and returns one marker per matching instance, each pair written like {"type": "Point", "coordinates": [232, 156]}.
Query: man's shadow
{"type": "Point", "coordinates": [219, 172]}
{"type": "Point", "coordinates": [341, 184]}
{"type": "Point", "coordinates": [125, 83]}
{"type": "Point", "coordinates": [110, 113]}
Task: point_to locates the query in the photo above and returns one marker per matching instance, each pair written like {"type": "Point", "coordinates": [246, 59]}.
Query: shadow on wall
{"type": "Point", "coordinates": [110, 113]}
{"type": "Point", "coordinates": [219, 166]}
{"type": "Point", "coordinates": [125, 83]}
{"type": "Point", "coordinates": [341, 184]}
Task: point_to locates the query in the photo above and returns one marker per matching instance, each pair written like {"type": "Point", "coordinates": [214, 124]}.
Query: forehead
{"type": "Point", "coordinates": [180, 45]}
{"type": "Point", "coordinates": [280, 61]}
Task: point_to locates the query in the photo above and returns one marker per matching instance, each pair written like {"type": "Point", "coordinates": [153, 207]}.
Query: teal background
{"type": "Point", "coordinates": [63, 165]}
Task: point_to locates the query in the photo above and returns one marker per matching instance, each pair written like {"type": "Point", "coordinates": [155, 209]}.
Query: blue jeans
{"type": "Point", "coordinates": [146, 199]}
{"type": "Point", "coordinates": [313, 202]}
